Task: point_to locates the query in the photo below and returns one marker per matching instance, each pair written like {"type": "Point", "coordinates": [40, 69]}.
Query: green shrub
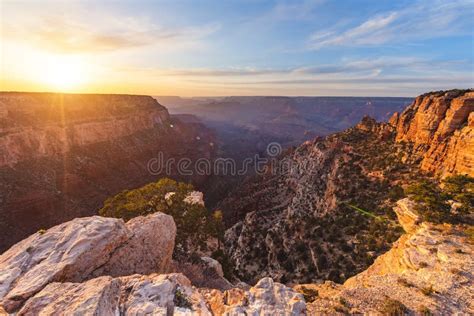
{"type": "Point", "coordinates": [427, 290]}
{"type": "Point", "coordinates": [181, 300]}
{"type": "Point", "coordinates": [309, 295]}
{"type": "Point", "coordinates": [425, 311]}
{"type": "Point", "coordinates": [193, 221]}
{"type": "Point", "coordinates": [434, 201]}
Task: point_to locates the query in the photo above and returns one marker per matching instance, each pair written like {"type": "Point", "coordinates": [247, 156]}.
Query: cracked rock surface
{"type": "Point", "coordinates": [83, 248]}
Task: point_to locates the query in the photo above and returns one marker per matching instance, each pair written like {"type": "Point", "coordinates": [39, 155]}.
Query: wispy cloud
{"type": "Point", "coordinates": [374, 67]}
{"type": "Point", "coordinates": [424, 19]}
{"type": "Point", "coordinates": [405, 75]}
{"type": "Point", "coordinates": [292, 10]}
{"type": "Point", "coordinates": [68, 35]}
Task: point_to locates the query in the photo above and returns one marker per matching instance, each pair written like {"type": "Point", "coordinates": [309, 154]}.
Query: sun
{"type": "Point", "coordinates": [64, 74]}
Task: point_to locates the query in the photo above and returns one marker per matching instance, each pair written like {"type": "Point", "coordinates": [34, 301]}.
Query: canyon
{"type": "Point", "coordinates": [428, 270]}
{"type": "Point", "coordinates": [327, 228]}
{"type": "Point", "coordinates": [62, 155]}
{"type": "Point", "coordinates": [303, 221]}
{"type": "Point", "coordinates": [245, 125]}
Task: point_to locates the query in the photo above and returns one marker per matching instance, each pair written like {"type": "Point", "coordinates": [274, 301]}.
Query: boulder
{"type": "Point", "coordinates": [265, 298]}
{"type": "Point", "coordinates": [407, 216]}
{"type": "Point", "coordinates": [148, 249]}
{"type": "Point", "coordinates": [84, 248]}
{"type": "Point", "coordinates": [98, 296]}
{"type": "Point", "coordinates": [166, 294]}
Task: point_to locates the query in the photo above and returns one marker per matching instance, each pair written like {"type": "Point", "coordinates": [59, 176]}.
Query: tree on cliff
{"type": "Point", "coordinates": [452, 202]}
{"type": "Point", "coordinates": [195, 224]}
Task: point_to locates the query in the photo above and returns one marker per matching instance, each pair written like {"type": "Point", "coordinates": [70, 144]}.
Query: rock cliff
{"type": "Point", "coordinates": [62, 155]}
{"type": "Point", "coordinates": [439, 127]}
{"type": "Point", "coordinates": [428, 271]}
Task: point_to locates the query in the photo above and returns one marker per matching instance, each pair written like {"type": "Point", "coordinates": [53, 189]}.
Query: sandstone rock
{"type": "Point", "coordinates": [94, 297]}
{"type": "Point", "coordinates": [148, 249]}
{"type": "Point", "coordinates": [440, 128]}
{"type": "Point", "coordinates": [204, 273]}
{"type": "Point", "coordinates": [194, 197]}
{"type": "Point", "coordinates": [213, 264]}
{"type": "Point", "coordinates": [167, 294]}
{"type": "Point", "coordinates": [67, 252]}
{"type": "Point", "coordinates": [81, 249]}
{"type": "Point", "coordinates": [407, 216]}
{"type": "Point", "coordinates": [427, 269]}
{"type": "Point", "coordinates": [265, 298]}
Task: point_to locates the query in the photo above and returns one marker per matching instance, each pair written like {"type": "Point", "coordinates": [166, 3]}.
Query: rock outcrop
{"type": "Point", "coordinates": [428, 271]}
{"type": "Point", "coordinates": [62, 155]}
{"type": "Point", "coordinates": [265, 298]}
{"type": "Point", "coordinates": [82, 249]}
{"type": "Point", "coordinates": [439, 127]}
{"type": "Point", "coordinates": [165, 294]}
{"type": "Point", "coordinates": [102, 266]}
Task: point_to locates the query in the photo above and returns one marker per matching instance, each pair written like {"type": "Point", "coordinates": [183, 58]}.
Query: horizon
{"type": "Point", "coordinates": [307, 48]}
{"type": "Point", "coordinates": [219, 96]}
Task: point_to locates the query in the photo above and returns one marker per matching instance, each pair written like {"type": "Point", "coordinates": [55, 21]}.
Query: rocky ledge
{"type": "Point", "coordinates": [429, 270]}
{"type": "Point", "coordinates": [102, 266]}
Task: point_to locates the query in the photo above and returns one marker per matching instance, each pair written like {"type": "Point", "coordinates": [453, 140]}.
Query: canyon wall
{"type": "Point", "coordinates": [313, 219]}
{"type": "Point", "coordinates": [439, 127]}
{"type": "Point", "coordinates": [62, 155]}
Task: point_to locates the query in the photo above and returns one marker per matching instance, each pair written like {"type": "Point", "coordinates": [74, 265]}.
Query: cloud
{"type": "Point", "coordinates": [387, 75]}
{"type": "Point", "coordinates": [424, 19]}
{"type": "Point", "coordinates": [229, 72]}
{"type": "Point", "coordinates": [68, 35]}
{"type": "Point", "coordinates": [292, 10]}
{"type": "Point", "coordinates": [373, 67]}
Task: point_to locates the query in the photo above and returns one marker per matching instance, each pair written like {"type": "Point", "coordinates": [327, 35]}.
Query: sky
{"type": "Point", "coordinates": [230, 47]}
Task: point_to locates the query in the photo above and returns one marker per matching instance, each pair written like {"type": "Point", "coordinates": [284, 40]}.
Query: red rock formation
{"type": "Point", "coordinates": [440, 129]}
{"type": "Point", "coordinates": [62, 155]}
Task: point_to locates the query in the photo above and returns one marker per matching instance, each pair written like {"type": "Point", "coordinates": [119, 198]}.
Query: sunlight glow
{"type": "Point", "coordinates": [64, 74]}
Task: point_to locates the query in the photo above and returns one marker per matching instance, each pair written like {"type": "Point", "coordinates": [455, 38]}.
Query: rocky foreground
{"type": "Point", "coordinates": [102, 266]}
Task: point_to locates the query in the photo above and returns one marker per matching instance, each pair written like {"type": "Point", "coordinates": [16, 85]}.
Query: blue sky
{"type": "Point", "coordinates": [247, 47]}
